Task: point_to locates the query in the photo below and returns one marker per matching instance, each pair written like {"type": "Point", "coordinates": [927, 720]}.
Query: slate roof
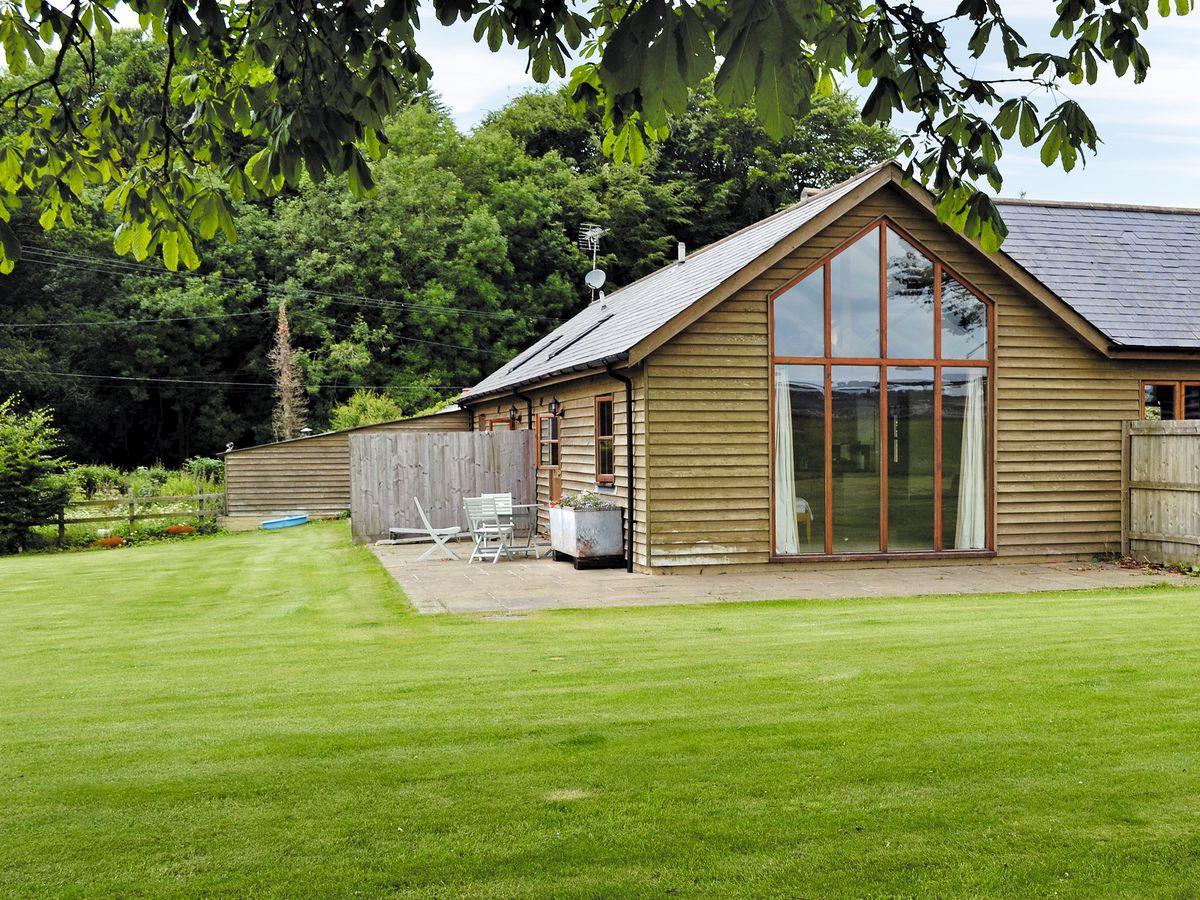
{"type": "Point", "coordinates": [1133, 272]}
{"type": "Point", "coordinates": [604, 333]}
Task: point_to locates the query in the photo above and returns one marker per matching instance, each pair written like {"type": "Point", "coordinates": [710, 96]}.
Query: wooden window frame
{"type": "Point", "coordinates": [1180, 388]}
{"type": "Point", "coordinates": [556, 441]}
{"type": "Point", "coordinates": [605, 478]}
{"type": "Point", "coordinates": [885, 224]}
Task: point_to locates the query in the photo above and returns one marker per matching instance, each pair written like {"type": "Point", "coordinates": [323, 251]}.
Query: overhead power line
{"type": "Point", "coordinates": [119, 323]}
{"type": "Point", "coordinates": [204, 382]}
{"type": "Point", "coordinates": [122, 322]}
{"type": "Point", "coordinates": [34, 253]}
{"type": "Point", "coordinates": [145, 321]}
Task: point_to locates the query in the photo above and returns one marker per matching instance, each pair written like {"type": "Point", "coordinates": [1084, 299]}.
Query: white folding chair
{"type": "Point", "coordinates": [488, 532]}
{"type": "Point", "coordinates": [439, 535]}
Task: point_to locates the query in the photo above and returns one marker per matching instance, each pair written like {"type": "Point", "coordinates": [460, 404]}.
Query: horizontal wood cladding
{"type": "Point", "coordinates": [708, 425]}
{"type": "Point", "coordinates": [577, 443]}
{"type": "Point", "coordinates": [310, 475]}
{"type": "Point", "coordinates": [1058, 411]}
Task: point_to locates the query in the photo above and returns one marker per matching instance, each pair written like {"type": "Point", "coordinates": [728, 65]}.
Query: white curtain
{"type": "Point", "coordinates": [972, 493]}
{"type": "Point", "coordinates": [787, 534]}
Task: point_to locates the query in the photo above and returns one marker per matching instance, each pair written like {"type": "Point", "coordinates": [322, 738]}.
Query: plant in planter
{"type": "Point", "coordinates": [589, 529]}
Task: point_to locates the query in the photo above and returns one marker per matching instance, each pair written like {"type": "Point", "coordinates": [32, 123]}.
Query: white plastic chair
{"type": "Point", "coordinates": [504, 504]}
{"type": "Point", "coordinates": [439, 535]}
{"type": "Point", "coordinates": [507, 512]}
{"type": "Point", "coordinates": [488, 532]}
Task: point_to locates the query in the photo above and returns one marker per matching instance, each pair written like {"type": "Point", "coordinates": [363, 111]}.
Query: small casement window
{"type": "Point", "coordinates": [547, 441]}
{"type": "Point", "coordinates": [605, 470]}
{"type": "Point", "coordinates": [1164, 400]}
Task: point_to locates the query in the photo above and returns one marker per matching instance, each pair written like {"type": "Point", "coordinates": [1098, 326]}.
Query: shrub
{"type": "Point", "coordinates": [108, 543]}
{"type": "Point", "coordinates": [179, 484]}
{"type": "Point", "coordinates": [206, 469]}
{"type": "Point", "coordinates": [94, 478]}
{"type": "Point", "coordinates": [146, 481]}
{"type": "Point", "coordinates": [157, 473]}
{"type": "Point", "coordinates": [33, 485]}
{"type": "Point", "coordinates": [364, 408]}
{"type": "Point", "coordinates": [180, 528]}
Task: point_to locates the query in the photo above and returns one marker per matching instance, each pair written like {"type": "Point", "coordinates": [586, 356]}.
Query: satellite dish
{"type": "Point", "coordinates": [594, 279]}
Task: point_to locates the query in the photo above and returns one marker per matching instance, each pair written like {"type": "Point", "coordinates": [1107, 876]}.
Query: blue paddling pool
{"type": "Point", "coordinates": [285, 522]}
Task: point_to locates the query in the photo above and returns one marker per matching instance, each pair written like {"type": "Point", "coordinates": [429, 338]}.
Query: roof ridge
{"type": "Point", "coordinates": [1083, 204]}
{"type": "Point", "coordinates": [754, 225]}
{"type": "Point", "coordinates": [794, 206]}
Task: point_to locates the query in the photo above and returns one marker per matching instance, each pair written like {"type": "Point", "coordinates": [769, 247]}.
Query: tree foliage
{"type": "Point", "coordinates": [254, 95]}
{"type": "Point", "coordinates": [33, 486]}
{"type": "Point", "coordinates": [364, 408]}
{"type": "Point", "coordinates": [462, 256]}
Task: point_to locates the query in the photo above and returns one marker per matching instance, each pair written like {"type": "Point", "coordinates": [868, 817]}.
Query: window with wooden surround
{"type": "Point", "coordinates": [547, 441]}
{"type": "Point", "coordinates": [1170, 400]}
{"type": "Point", "coordinates": [880, 412]}
{"type": "Point", "coordinates": [605, 457]}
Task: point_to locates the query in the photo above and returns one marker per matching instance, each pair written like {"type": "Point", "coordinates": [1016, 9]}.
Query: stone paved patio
{"type": "Point", "coordinates": [437, 586]}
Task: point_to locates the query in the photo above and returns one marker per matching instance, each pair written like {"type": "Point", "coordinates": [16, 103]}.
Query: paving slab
{"type": "Point", "coordinates": [526, 585]}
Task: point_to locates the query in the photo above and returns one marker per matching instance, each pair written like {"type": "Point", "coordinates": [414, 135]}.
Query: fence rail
{"type": "Point", "coordinates": [132, 509]}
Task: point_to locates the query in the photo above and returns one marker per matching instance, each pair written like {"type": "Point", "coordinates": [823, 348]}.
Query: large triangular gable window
{"type": "Point", "coordinates": [881, 371]}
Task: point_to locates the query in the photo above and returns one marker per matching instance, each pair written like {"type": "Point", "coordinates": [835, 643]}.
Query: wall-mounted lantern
{"type": "Point", "coordinates": [514, 417]}
{"type": "Point", "coordinates": [555, 407]}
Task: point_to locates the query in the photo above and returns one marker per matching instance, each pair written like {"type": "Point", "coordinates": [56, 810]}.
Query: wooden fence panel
{"type": "Point", "coordinates": [1162, 479]}
{"type": "Point", "coordinates": [440, 469]}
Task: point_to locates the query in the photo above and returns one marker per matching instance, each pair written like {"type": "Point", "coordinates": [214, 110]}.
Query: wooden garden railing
{"type": "Point", "coordinates": [133, 509]}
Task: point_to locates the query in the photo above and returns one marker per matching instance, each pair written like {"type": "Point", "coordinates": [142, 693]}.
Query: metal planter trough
{"type": "Point", "coordinates": [590, 537]}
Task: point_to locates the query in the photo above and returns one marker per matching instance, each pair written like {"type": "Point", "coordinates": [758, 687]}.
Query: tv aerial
{"type": "Point", "coordinates": [589, 241]}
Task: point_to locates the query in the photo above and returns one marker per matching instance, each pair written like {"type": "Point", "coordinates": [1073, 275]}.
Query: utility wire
{"type": "Point", "coordinates": [294, 312]}
{"type": "Point", "coordinates": [113, 266]}
{"type": "Point", "coordinates": [202, 382]}
{"type": "Point", "coordinates": [122, 322]}
{"type": "Point", "coordinates": [300, 313]}
{"type": "Point", "coordinates": [380, 304]}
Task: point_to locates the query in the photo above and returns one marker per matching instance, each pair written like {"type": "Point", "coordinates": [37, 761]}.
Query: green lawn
{"type": "Point", "coordinates": [261, 714]}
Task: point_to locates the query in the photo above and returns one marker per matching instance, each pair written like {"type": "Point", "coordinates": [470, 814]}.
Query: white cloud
{"type": "Point", "coordinates": [471, 79]}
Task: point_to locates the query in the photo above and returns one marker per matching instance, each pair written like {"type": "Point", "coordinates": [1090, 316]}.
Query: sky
{"type": "Point", "coordinates": [1150, 132]}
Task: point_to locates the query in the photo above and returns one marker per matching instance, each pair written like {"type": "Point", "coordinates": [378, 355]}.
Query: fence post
{"type": "Point", "coordinates": [62, 526]}
{"type": "Point", "coordinates": [1126, 492]}
{"type": "Point", "coordinates": [132, 509]}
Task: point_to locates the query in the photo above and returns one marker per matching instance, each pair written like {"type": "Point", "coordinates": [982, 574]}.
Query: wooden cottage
{"type": "Point", "coordinates": [310, 474]}
{"type": "Point", "coordinates": [850, 379]}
